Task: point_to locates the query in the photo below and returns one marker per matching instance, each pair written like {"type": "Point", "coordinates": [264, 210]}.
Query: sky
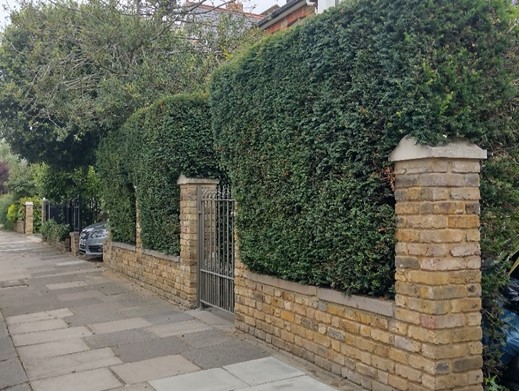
{"type": "Point", "coordinates": [254, 6]}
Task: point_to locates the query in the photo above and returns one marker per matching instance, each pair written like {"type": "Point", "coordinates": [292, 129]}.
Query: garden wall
{"type": "Point", "coordinates": [171, 277]}
{"type": "Point", "coordinates": [429, 337]}
{"type": "Point", "coordinates": [61, 245]}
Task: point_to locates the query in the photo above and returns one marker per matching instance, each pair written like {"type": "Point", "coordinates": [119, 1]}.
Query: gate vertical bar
{"type": "Point", "coordinates": [200, 241]}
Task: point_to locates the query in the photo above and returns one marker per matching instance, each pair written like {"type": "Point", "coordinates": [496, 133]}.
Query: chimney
{"type": "Point", "coordinates": [234, 6]}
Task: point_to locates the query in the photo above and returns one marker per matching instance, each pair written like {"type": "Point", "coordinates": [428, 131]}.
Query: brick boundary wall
{"type": "Point", "coordinates": [61, 245]}
{"type": "Point", "coordinates": [429, 337]}
{"type": "Point", "coordinates": [19, 226]}
{"type": "Point", "coordinates": [152, 270]}
{"type": "Point", "coordinates": [172, 277]}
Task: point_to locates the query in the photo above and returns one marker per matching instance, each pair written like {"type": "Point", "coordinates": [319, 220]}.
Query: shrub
{"type": "Point", "coordinates": [12, 213]}
{"type": "Point", "coordinates": [5, 201]}
{"type": "Point", "coordinates": [36, 211]}
{"type": "Point", "coordinates": [50, 229]}
{"type": "Point", "coordinates": [149, 153]}
{"type": "Point", "coordinates": [306, 121]}
{"type": "Point", "coordinates": [177, 140]}
{"type": "Point", "coordinates": [117, 156]}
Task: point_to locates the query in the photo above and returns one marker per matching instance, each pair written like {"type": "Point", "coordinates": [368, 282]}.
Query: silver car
{"type": "Point", "coordinates": [91, 239]}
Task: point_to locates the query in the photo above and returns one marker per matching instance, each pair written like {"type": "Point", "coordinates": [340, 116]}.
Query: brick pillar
{"type": "Point", "coordinates": [74, 243]}
{"type": "Point", "coordinates": [29, 218]}
{"type": "Point", "coordinates": [438, 278]}
{"type": "Point", "coordinates": [188, 233]}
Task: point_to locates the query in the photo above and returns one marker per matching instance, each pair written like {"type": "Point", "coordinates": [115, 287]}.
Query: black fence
{"type": "Point", "coordinates": [76, 213]}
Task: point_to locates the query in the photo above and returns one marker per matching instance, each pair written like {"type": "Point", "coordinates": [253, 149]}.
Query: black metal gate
{"type": "Point", "coordinates": [216, 248]}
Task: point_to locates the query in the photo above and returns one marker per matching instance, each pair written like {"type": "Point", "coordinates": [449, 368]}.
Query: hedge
{"type": "Point", "coordinates": [149, 153]}
{"type": "Point", "coordinates": [306, 120]}
{"type": "Point", "coordinates": [116, 158]}
{"type": "Point", "coordinates": [177, 140]}
{"type": "Point", "coordinates": [50, 229]}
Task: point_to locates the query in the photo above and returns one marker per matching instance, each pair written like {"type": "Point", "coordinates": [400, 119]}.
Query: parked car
{"type": "Point", "coordinates": [91, 239]}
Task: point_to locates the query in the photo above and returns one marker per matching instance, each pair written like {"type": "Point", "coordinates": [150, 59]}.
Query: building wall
{"type": "Point", "coordinates": [291, 19]}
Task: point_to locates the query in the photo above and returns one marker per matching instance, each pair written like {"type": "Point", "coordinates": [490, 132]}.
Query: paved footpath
{"type": "Point", "coordinates": [68, 324]}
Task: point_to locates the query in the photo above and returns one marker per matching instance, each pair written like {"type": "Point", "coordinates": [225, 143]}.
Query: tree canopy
{"type": "Point", "coordinates": [72, 71]}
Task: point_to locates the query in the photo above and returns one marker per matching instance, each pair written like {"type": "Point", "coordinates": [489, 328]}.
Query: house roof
{"type": "Point", "coordinates": [281, 12]}
{"type": "Point", "coordinates": [198, 8]}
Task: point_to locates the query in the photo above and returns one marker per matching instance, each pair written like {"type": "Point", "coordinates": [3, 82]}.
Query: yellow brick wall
{"type": "Point", "coordinates": [159, 273]}
{"type": "Point", "coordinates": [429, 337]}
{"type": "Point", "coordinates": [356, 343]}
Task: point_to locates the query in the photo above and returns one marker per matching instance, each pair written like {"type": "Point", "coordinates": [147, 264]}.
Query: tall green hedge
{"type": "Point", "coordinates": [148, 154]}
{"type": "Point", "coordinates": [177, 139]}
{"type": "Point", "coordinates": [117, 157]}
{"type": "Point", "coordinates": [306, 119]}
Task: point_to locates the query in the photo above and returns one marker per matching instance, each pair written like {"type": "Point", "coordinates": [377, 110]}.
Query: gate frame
{"type": "Point", "coordinates": [217, 193]}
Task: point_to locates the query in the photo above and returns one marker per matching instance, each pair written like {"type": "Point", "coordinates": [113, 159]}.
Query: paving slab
{"type": "Point", "coordinates": [209, 380]}
{"type": "Point", "coordinates": [156, 368]}
{"type": "Point", "coordinates": [49, 336]}
{"type": "Point", "coordinates": [208, 316]}
{"type": "Point", "coordinates": [3, 329]}
{"type": "Point", "coordinates": [41, 325]}
{"type": "Point", "coordinates": [81, 295]}
{"type": "Point", "coordinates": [52, 273]}
{"type": "Point", "coordinates": [7, 349]}
{"type": "Point", "coordinates": [31, 306]}
{"type": "Point", "coordinates": [167, 317]}
{"type": "Point", "coordinates": [180, 328]}
{"type": "Point", "coordinates": [20, 387]}
{"type": "Point", "coordinates": [66, 285]}
{"type": "Point", "coordinates": [264, 370]}
{"type": "Point", "coordinates": [62, 365]}
{"type": "Point", "coordinates": [304, 383]}
{"type": "Point", "coordinates": [112, 289]}
{"type": "Point", "coordinates": [52, 349]}
{"type": "Point", "coordinates": [42, 315]}
{"type": "Point", "coordinates": [119, 325]}
{"type": "Point", "coordinates": [132, 309]}
{"type": "Point", "coordinates": [205, 338]}
{"type": "Point", "coordinates": [145, 350]}
{"type": "Point", "coordinates": [11, 373]}
{"type": "Point", "coordinates": [138, 387]}
{"type": "Point", "coordinates": [73, 304]}
{"type": "Point", "coordinates": [70, 263]}
{"type": "Point", "coordinates": [119, 338]}
{"type": "Point", "coordinates": [224, 354]}
{"type": "Point", "coordinates": [95, 380]}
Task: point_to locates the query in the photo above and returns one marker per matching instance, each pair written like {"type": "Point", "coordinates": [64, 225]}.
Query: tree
{"type": "Point", "coordinates": [4, 176]}
{"type": "Point", "coordinates": [70, 72]}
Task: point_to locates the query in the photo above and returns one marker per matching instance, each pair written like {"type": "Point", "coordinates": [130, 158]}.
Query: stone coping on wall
{"type": "Point", "coordinates": [375, 305]}
{"type": "Point", "coordinates": [410, 149]}
{"type": "Point", "coordinates": [125, 246]}
{"type": "Point", "coordinates": [153, 253]}
{"type": "Point", "coordinates": [183, 180]}
{"type": "Point", "coordinates": [158, 254]}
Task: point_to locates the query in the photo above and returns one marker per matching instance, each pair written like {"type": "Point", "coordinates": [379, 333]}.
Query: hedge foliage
{"type": "Point", "coordinates": [150, 151]}
{"type": "Point", "coordinates": [306, 119]}
{"type": "Point", "coordinates": [16, 212]}
{"type": "Point", "coordinates": [5, 201]}
{"type": "Point", "coordinates": [116, 157]}
{"type": "Point", "coordinates": [50, 229]}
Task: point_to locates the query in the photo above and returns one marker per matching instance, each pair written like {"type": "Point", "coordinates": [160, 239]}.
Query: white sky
{"type": "Point", "coordinates": [254, 6]}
